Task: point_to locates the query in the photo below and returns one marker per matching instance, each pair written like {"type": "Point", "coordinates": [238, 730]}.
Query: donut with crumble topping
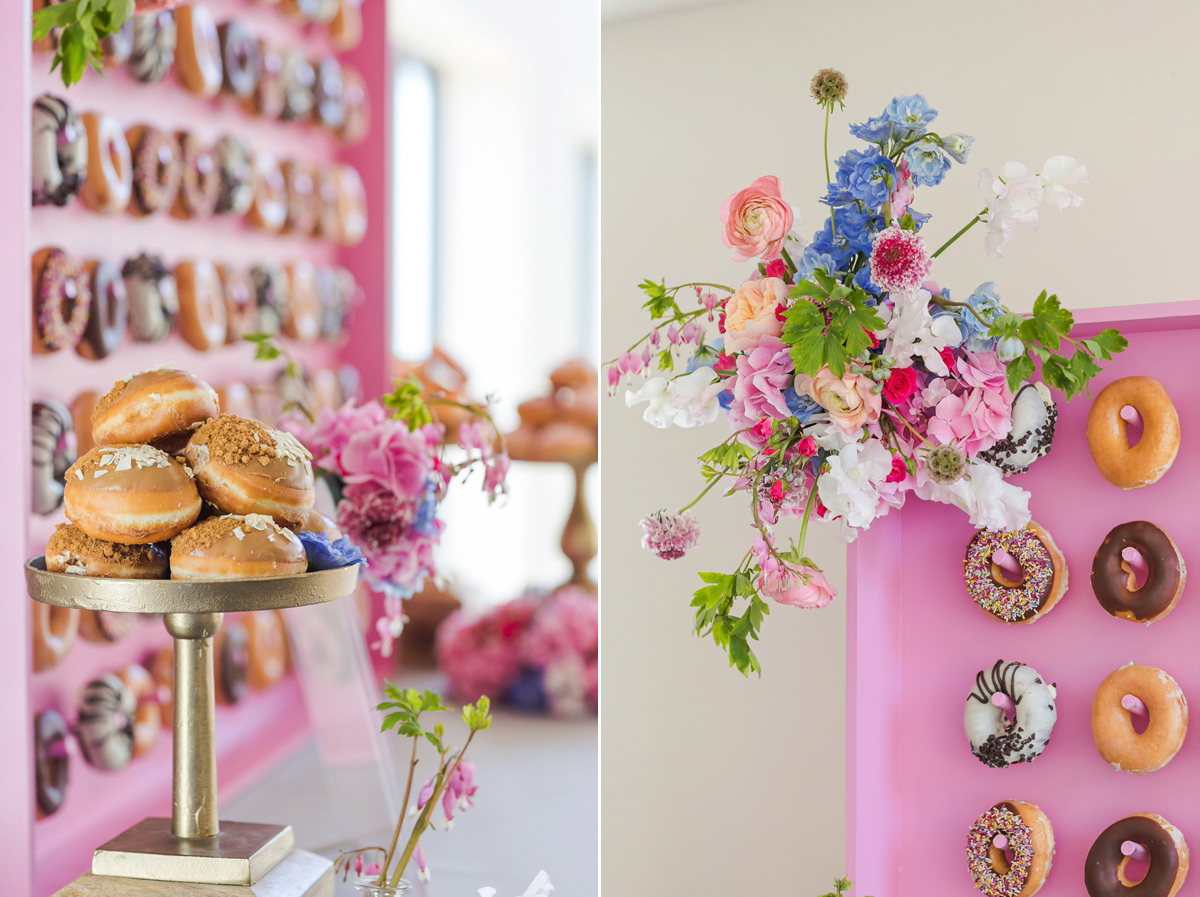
{"type": "Point", "coordinates": [152, 405]}
{"type": "Point", "coordinates": [1043, 579]}
{"type": "Point", "coordinates": [1030, 839]}
{"type": "Point", "coordinates": [71, 550]}
{"type": "Point", "coordinates": [236, 547]}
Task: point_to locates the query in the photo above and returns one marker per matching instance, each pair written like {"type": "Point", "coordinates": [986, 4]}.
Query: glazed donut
{"type": "Point", "coordinates": [130, 493]}
{"type": "Point", "coordinates": [997, 742]}
{"type": "Point", "coordinates": [235, 398]}
{"type": "Point", "coordinates": [304, 313]}
{"type": "Point", "coordinates": [346, 27]}
{"type": "Point", "coordinates": [244, 467]}
{"type": "Point", "coordinates": [352, 206]}
{"type": "Point", "coordinates": [153, 53]}
{"type": "Point", "coordinates": [236, 547]}
{"type": "Point", "coordinates": [298, 77]}
{"type": "Point", "coordinates": [152, 405]}
{"type": "Point", "coordinates": [109, 181]}
{"type": "Point", "coordinates": [59, 151]}
{"type": "Point", "coordinates": [272, 294]}
{"type": "Point", "coordinates": [241, 309]}
{"type": "Point", "coordinates": [1123, 465]}
{"type": "Point", "coordinates": [269, 208]}
{"type": "Point", "coordinates": [1043, 566]}
{"type": "Point", "coordinates": [201, 181]}
{"type": "Point", "coordinates": [1034, 415]}
{"type": "Point", "coordinates": [104, 727]}
{"type": "Point", "coordinates": [82, 407]}
{"type": "Point", "coordinates": [241, 59]}
{"type": "Point", "coordinates": [267, 98]}
{"type": "Point", "coordinates": [329, 108]}
{"type": "Point", "coordinates": [153, 298]}
{"type": "Point", "coordinates": [301, 202]}
{"type": "Point", "coordinates": [326, 391]}
{"type": "Point", "coordinates": [71, 550]}
{"type": "Point", "coordinates": [1112, 725]}
{"type": "Point", "coordinates": [115, 48]}
{"type": "Point", "coordinates": [267, 647]}
{"type": "Point", "coordinates": [337, 289]}
{"type": "Point", "coordinates": [1115, 583]}
{"type": "Point", "coordinates": [236, 192]}
{"type": "Point", "coordinates": [51, 761]}
{"type": "Point", "coordinates": [51, 453]}
{"type": "Point", "coordinates": [325, 192]}
{"type": "Point", "coordinates": [316, 522]}
{"type": "Point", "coordinates": [1031, 840]}
{"type": "Point", "coordinates": [156, 169]}
{"type": "Point", "coordinates": [202, 319]}
{"type": "Point", "coordinates": [1104, 870]}
{"type": "Point", "coordinates": [231, 658]}
{"type": "Point", "coordinates": [198, 55]}
{"type": "Point", "coordinates": [108, 312]}
{"type": "Point", "coordinates": [61, 300]}
{"type": "Point", "coordinates": [162, 669]}
{"type": "Point", "coordinates": [357, 120]}
{"type": "Point", "coordinates": [54, 631]}
{"type": "Point", "coordinates": [147, 718]}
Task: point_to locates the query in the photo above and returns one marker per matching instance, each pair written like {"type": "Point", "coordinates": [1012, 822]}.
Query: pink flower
{"type": "Point", "coordinates": [850, 399]}
{"type": "Point", "coordinates": [459, 789]}
{"type": "Point", "coordinates": [903, 194]}
{"type": "Point", "coordinates": [756, 220]}
{"type": "Point", "coordinates": [669, 536]}
{"type": "Point", "coordinates": [790, 583]}
{"type": "Point", "coordinates": [372, 869]}
{"type": "Point", "coordinates": [328, 435]}
{"type": "Point", "coordinates": [899, 385]}
{"type": "Point", "coordinates": [899, 261]}
{"type": "Point", "coordinates": [899, 470]}
{"type": "Point", "coordinates": [390, 532]}
{"type": "Point", "coordinates": [776, 268]}
{"type": "Point", "coordinates": [807, 446]}
{"type": "Point", "coordinates": [424, 794]}
{"type": "Point", "coordinates": [762, 375]}
{"type": "Point", "coordinates": [974, 421]}
{"type": "Point", "coordinates": [567, 624]}
{"type": "Point", "coordinates": [419, 859]}
{"type": "Point", "coordinates": [391, 456]}
{"type": "Point", "coordinates": [479, 654]}
{"type": "Point", "coordinates": [750, 313]}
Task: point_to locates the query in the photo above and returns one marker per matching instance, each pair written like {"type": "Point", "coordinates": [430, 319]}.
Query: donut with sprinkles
{"type": "Point", "coordinates": [1021, 866]}
{"type": "Point", "coordinates": [1042, 581]}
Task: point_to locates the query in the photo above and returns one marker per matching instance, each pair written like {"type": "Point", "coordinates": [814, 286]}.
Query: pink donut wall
{"type": "Point", "coordinates": [916, 643]}
{"type": "Point", "coordinates": [265, 726]}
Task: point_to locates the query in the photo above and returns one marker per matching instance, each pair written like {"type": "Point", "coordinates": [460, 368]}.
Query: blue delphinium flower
{"type": "Point", "coordinates": [527, 692]}
{"type": "Point", "coordinates": [706, 356]}
{"type": "Point", "coordinates": [862, 280]}
{"type": "Point", "coordinates": [324, 554]}
{"type": "Point", "coordinates": [874, 130]}
{"type": "Point", "coordinates": [909, 115]}
{"type": "Point", "coordinates": [426, 520]}
{"type": "Point", "coordinates": [927, 163]}
{"type": "Point", "coordinates": [986, 304]}
{"type": "Point", "coordinates": [872, 179]}
{"type": "Point", "coordinates": [811, 259]}
{"type": "Point", "coordinates": [920, 219]}
{"type": "Point", "coordinates": [958, 146]}
{"type": "Point", "coordinates": [802, 407]}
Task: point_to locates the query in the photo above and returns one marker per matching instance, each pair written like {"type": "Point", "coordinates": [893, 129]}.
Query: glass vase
{"type": "Point", "coordinates": [369, 886]}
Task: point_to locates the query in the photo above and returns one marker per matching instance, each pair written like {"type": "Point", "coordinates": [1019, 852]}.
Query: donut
{"type": "Point", "coordinates": [201, 181]}
{"type": "Point", "coordinates": [71, 550]}
{"type": "Point", "coordinates": [244, 467]}
{"type": "Point", "coordinates": [54, 631]}
{"type": "Point", "coordinates": [116, 47]}
{"type": "Point", "coordinates": [1043, 566]}
{"type": "Point", "coordinates": [235, 398]}
{"type": "Point", "coordinates": [231, 658]}
{"type": "Point", "coordinates": [59, 151]}
{"type": "Point", "coordinates": [1030, 839]}
{"type": "Point", "coordinates": [241, 309]}
{"type": "Point", "coordinates": [352, 206]}
{"type": "Point", "coordinates": [267, 98]}
{"type": "Point", "coordinates": [298, 78]}
{"type": "Point", "coordinates": [304, 311]}
{"type": "Point", "coordinates": [198, 54]}
{"type": "Point", "coordinates": [316, 522]}
{"type": "Point", "coordinates": [61, 300]}
{"type": "Point", "coordinates": [337, 290]}
{"type": "Point", "coordinates": [51, 761]}
{"type": "Point", "coordinates": [157, 169]}
{"type": "Point", "coordinates": [153, 298]}
{"type": "Point", "coordinates": [130, 493]}
{"type": "Point", "coordinates": [329, 108]}
{"type": "Point", "coordinates": [266, 647]}
{"type": "Point", "coordinates": [1104, 870]}
{"type": "Point", "coordinates": [236, 547]}
{"type": "Point", "coordinates": [1115, 583]}
{"type": "Point", "coordinates": [147, 718]}
{"type": "Point", "coordinates": [104, 726]}
{"type": "Point", "coordinates": [102, 626]}
{"type": "Point", "coordinates": [301, 202]}
{"type": "Point", "coordinates": [326, 391]}
{"type": "Point", "coordinates": [236, 191]}
{"type": "Point", "coordinates": [52, 451]}
{"type": "Point", "coordinates": [82, 407]}
{"type": "Point", "coordinates": [1112, 725]}
{"type": "Point", "coordinates": [109, 182]}
{"type": "Point", "coordinates": [269, 208]}
{"type": "Point", "coordinates": [152, 405]}
{"type": "Point", "coordinates": [346, 27]}
{"type": "Point", "coordinates": [108, 311]}
{"type": "Point", "coordinates": [241, 59]}
{"type": "Point", "coordinates": [162, 669]}
{"type": "Point", "coordinates": [1034, 415]}
{"type": "Point", "coordinates": [202, 318]}
{"type": "Point", "coordinates": [356, 122]}
{"type": "Point", "coordinates": [303, 10]}
{"type": "Point", "coordinates": [565, 441]}
{"type": "Point", "coordinates": [1123, 465]}
{"type": "Point", "coordinates": [996, 741]}
{"type": "Point", "coordinates": [153, 53]}
{"type": "Point", "coordinates": [272, 294]}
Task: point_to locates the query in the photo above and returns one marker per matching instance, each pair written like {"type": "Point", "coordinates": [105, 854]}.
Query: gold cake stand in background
{"type": "Point", "coordinates": [193, 852]}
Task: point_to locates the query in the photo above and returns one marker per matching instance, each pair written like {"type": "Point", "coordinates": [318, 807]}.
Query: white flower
{"type": "Point", "coordinates": [912, 331]}
{"type": "Point", "coordinates": [850, 488]}
{"type": "Point", "coordinates": [653, 391]}
{"type": "Point", "coordinates": [983, 493]}
{"type": "Point", "coordinates": [686, 401]}
{"type": "Point", "coordinates": [829, 435]}
{"type": "Point", "coordinates": [1058, 173]}
{"type": "Point", "coordinates": [1014, 196]}
{"type": "Point", "coordinates": [539, 887]}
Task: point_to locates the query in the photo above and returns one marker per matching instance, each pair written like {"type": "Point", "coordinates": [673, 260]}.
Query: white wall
{"type": "Point", "coordinates": [717, 785]}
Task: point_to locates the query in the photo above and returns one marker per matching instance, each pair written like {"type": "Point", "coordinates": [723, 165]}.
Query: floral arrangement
{"type": "Point", "coordinates": [851, 379]}
{"type": "Point", "coordinates": [538, 652]}
{"type": "Point", "coordinates": [452, 785]}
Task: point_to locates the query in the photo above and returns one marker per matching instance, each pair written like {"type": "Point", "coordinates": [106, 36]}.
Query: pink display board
{"type": "Point", "coordinates": [916, 642]}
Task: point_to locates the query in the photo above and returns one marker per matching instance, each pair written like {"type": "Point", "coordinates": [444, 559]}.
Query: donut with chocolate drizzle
{"type": "Point", "coordinates": [995, 740]}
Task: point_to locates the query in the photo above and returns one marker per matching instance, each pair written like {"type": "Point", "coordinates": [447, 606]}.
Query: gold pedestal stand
{"type": "Point", "coordinates": [193, 852]}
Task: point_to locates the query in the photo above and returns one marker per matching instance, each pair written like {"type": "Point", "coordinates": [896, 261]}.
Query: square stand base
{"type": "Point", "coordinates": [241, 854]}
{"type": "Point", "coordinates": [300, 874]}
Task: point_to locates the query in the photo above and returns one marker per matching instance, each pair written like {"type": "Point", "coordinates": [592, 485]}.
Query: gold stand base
{"type": "Point", "coordinates": [242, 854]}
{"type": "Point", "coordinates": [300, 874]}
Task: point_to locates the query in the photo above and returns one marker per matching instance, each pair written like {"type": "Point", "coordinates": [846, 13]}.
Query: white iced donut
{"type": "Point", "coordinates": [1033, 417]}
{"type": "Point", "coordinates": [997, 741]}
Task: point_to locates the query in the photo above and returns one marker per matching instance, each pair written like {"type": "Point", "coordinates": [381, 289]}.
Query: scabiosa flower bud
{"type": "Point", "coordinates": [829, 86]}
{"type": "Point", "coordinates": [669, 535]}
{"type": "Point", "coordinates": [946, 464]}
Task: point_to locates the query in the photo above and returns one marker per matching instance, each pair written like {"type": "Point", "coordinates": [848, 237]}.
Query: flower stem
{"type": "Point", "coordinates": [970, 224]}
{"type": "Point", "coordinates": [387, 859]}
{"type": "Point", "coordinates": [808, 507]}
{"type": "Point", "coordinates": [828, 109]}
{"type": "Point", "coordinates": [695, 501]}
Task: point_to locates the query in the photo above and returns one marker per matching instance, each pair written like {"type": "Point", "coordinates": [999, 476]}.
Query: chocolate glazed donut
{"type": "Point", "coordinates": [1104, 870]}
{"type": "Point", "coordinates": [1113, 579]}
{"type": "Point", "coordinates": [51, 760]}
{"type": "Point", "coordinates": [51, 453]}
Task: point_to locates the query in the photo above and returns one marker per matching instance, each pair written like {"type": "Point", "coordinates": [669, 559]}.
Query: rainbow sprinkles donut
{"type": "Point", "coordinates": [1005, 595]}
{"type": "Point", "coordinates": [1026, 834]}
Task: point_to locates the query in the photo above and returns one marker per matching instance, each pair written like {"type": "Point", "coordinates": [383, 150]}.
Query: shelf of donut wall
{"type": "Point", "coordinates": [264, 727]}
{"type": "Point", "coordinates": [915, 643]}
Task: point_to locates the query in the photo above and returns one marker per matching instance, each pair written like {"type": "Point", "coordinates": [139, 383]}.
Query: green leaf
{"type": "Point", "coordinates": [658, 302]}
{"type": "Point", "coordinates": [804, 331]}
{"type": "Point", "coordinates": [434, 740]}
{"type": "Point", "coordinates": [406, 403]}
{"type": "Point", "coordinates": [48, 18]}
{"type": "Point", "coordinates": [1006, 325]}
{"type": "Point", "coordinates": [1019, 370]}
{"type": "Point", "coordinates": [1110, 342]}
{"type": "Point", "coordinates": [71, 52]}
{"type": "Point", "coordinates": [391, 719]}
{"type": "Point", "coordinates": [121, 10]}
{"type": "Point", "coordinates": [1050, 312]}
{"type": "Point", "coordinates": [807, 288]}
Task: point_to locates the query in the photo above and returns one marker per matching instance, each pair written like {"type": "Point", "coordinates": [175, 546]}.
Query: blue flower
{"type": "Point", "coordinates": [706, 357]}
{"type": "Point", "coordinates": [958, 146]}
{"type": "Point", "coordinates": [873, 130]}
{"type": "Point", "coordinates": [862, 280]}
{"type": "Point", "coordinates": [920, 219]}
{"type": "Point", "coordinates": [810, 259]}
{"type": "Point", "coordinates": [855, 232]}
{"type": "Point", "coordinates": [872, 179]}
{"type": "Point", "coordinates": [527, 692]}
{"type": "Point", "coordinates": [426, 520]}
{"type": "Point", "coordinates": [909, 115]}
{"type": "Point", "coordinates": [802, 407]}
{"type": "Point", "coordinates": [927, 163]}
{"type": "Point", "coordinates": [986, 304]}
{"type": "Point", "coordinates": [725, 399]}
{"type": "Point", "coordinates": [324, 554]}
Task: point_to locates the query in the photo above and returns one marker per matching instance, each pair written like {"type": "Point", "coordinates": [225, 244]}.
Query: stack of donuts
{"type": "Point", "coordinates": [561, 425]}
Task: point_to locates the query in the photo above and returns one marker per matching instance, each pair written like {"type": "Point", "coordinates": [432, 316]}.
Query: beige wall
{"type": "Point", "coordinates": [713, 784]}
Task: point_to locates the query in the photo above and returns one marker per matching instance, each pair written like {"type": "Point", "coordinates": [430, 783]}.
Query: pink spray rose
{"type": "Point", "coordinates": [795, 585]}
{"type": "Point", "coordinates": [756, 220]}
{"type": "Point", "coordinates": [850, 399]}
{"type": "Point", "coordinates": [750, 313]}
{"type": "Point", "coordinates": [899, 385]}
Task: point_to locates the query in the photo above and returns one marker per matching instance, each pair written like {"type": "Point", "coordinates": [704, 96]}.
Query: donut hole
{"type": "Point", "coordinates": [1131, 871]}
{"type": "Point", "coordinates": [1006, 570]}
{"type": "Point", "coordinates": [1139, 721]}
{"type": "Point", "coordinates": [1001, 859]}
{"type": "Point", "coordinates": [1133, 425]}
{"type": "Point", "coordinates": [1137, 571]}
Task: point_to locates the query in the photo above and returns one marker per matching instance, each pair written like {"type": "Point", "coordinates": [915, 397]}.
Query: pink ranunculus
{"type": "Point", "coordinates": [850, 399]}
{"type": "Point", "coordinates": [795, 585]}
{"type": "Point", "coordinates": [900, 384]}
{"type": "Point", "coordinates": [388, 530]}
{"type": "Point", "coordinates": [756, 220]}
{"type": "Point", "coordinates": [750, 313]}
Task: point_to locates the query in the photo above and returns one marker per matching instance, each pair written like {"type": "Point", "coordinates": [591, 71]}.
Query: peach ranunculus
{"type": "Point", "coordinates": [756, 220]}
{"type": "Point", "coordinates": [750, 313]}
{"type": "Point", "coordinates": [851, 400]}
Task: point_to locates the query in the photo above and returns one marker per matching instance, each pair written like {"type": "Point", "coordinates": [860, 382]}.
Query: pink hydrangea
{"type": "Point", "coordinates": [762, 375]}
{"type": "Point", "coordinates": [974, 421]}
{"type": "Point", "coordinates": [899, 260]}
{"type": "Point", "coordinates": [329, 433]}
{"type": "Point", "coordinates": [479, 654]}
{"type": "Point", "coordinates": [388, 454]}
{"type": "Point", "coordinates": [568, 623]}
{"type": "Point", "coordinates": [387, 529]}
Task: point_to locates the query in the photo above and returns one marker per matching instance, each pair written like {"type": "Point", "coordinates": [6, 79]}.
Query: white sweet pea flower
{"type": "Point", "coordinates": [539, 887]}
{"type": "Point", "coordinates": [912, 331]}
{"type": "Point", "coordinates": [1015, 195]}
{"type": "Point", "coordinates": [1059, 173]}
{"type": "Point", "coordinates": [982, 492]}
{"type": "Point", "coordinates": [830, 435]}
{"type": "Point", "coordinates": [850, 488]}
{"type": "Point", "coordinates": [686, 401]}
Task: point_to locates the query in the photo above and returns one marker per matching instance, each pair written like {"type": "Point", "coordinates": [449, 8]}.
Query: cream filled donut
{"type": "Point", "coordinates": [198, 54]}
{"type": "Point", "coordinates": [316, 522]}
{"type": "Point", "coordinates": [59, 151]}
{"type": "Point", "coordinates": [153, 298]}
{"type": "Point", "coordinates": [71, 550]}
{"type": "Point", "coordinates": [269, 208]}
{"type": "Point", "coordinates": [236, 191]}
{"type": "Point", "coordinates": [54, 632]}
{"type": "Point", "coordinates": [1104, 871]}
{"type": "Point", "coordinates": [1123, 465]}
{"type": "Point", "coordinates": [52, 451]}
{"type": "Point", "coordinates": [200, 183]}
{"type": "Point", "coordinates": [154, 37]}
{"type": "Point", "coordinates": [236, 547]}
{"type": "Point", "coordinates": [156, 169]}
{"type": "Point", "coordinates": [1043, 567]}
{"type": "Point", "coordinates": [1030, 840]}
{"type": "Point", "coordinates": [152, 405]}
{"type": "Point", "coordinates": [1112, 724]}
{"type": "Point", "coordinates": [241, 306]}
{"type": "Point", "coordinates": [202, 319]}
{"type": "Point", "coordinates": [109, 182]}
{"type": "Point", "coordinates": [104, 727]}
{"type": "Point", "coordinates": [108, 315]}
{"type": "Point", "coordinates": [130, 493]}
{"type": "Point", "coordinates": [352, 206]}
{"type": "Point", "coordinates": [244, 467]}
{"type": "Point", "coordinates": [995, 740]}
{"type": "Point", "coordinates": [62, 300]}
{"type": "Point", "coordinates": [1034, 415]}
{"type": "Point", "coordinates": [1114, 581]}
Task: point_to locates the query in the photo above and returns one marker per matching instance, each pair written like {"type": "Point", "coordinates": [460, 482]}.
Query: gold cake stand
{"type": "Point", "coordinates": [193, 852]}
